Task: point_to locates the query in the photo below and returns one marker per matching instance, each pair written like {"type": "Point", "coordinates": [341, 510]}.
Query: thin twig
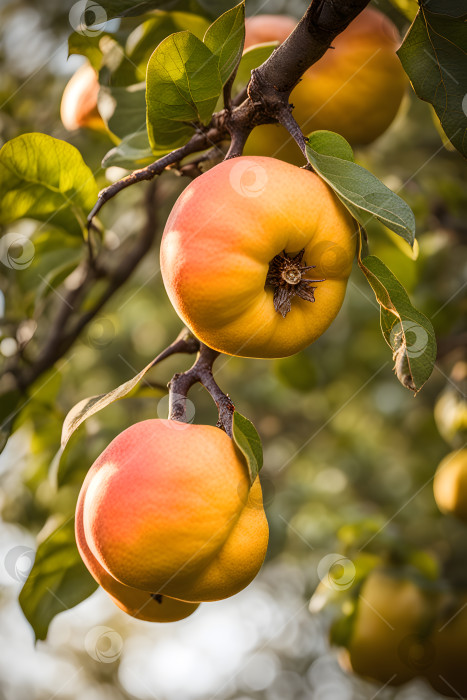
{"type": "Point", "coordinates": [192, 169]}
{"type": "Point", "coordinates": [199, 142]}
{"type": "Point", "coordinates": [184, 343]}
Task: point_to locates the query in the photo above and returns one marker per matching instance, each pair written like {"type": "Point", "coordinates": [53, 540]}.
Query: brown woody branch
{"type": "Point", "coordinates": [266, 101]}
{"type": "Point", "coordinates": [199, 142]}
{"type": "Point", "coordinates": [64, 329]}
{"type": "Point", "coordinates": [200, 372]}
{"type": "Point", "coordinates": [268, 92]}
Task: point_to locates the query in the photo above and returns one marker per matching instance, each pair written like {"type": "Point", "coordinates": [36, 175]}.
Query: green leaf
{"type": "Point", "coordinates": [453, 8]}
{"type": "Point", "coordinates": [58, 580]}
{"type": "Point", "coordinates": [46, 179]}
{"type": "Point", "coordinates": [130, 8]}
{"type": "Point", "coordinates": [248, 441]}
{"type": "Point", "coordinates": [433, 55]}
{"type": "Point", "coordinates": [182, 88]}
{"type": "Point", "coordinates": [225, 38]}
{"type": "Point", "coordinates": [359, 190]}
{"type": "Point", "coordinates": [408, 332]}
{"type": "Point", "coordinates": [328, 143]}
{"type": "Point", "coordinates": [123, 109]}
{"type": "Point", "coordinates": [408, 8]}
{"type": "Point", "coordinates": [88, 46]}
{"type": "Point", "coordinates": [144, 39]}
{"type": "Point", "coordinates": [252, 58]}
{"type": "Point", "coordinates": [132, 152]}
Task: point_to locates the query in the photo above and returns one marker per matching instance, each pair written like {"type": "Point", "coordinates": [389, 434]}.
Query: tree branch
{"type": "Point", "coordinates": [267, 95]}
{"type": "Point", "coordinates": [200, 372]}
{"type": "Point", "coordinates": [199, 142]}
{"type": "Point", "coordinates": [266, 101]}
{"type": "Point", "coordinates": [62, 334]}
{"type": "Point", "coordinates": [310, 39]}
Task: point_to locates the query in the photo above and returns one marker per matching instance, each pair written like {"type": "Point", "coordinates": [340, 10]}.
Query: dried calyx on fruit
{"type": "Point", "coordinates": [285, 274]}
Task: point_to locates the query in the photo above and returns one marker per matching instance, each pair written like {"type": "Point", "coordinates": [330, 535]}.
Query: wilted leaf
{"type": "Point", "coordinates": [434, 57]}
{"type": "Point", "coordinates": [58, 580]}
{"type": "Point", "coordinates": [361, 192]}
{"type": "Point", "coordinates": [46, 179]}
{"type": "Point", "coordinates": [248, 441]}
{"type": "Point", "coordinates": [88, 407]}
{"type": "Point", "coordinates": [225, 38]}
{"type": "Point", "coordinates": [182, 88]}
{"type": "Point", "coordinates": [408, 332]}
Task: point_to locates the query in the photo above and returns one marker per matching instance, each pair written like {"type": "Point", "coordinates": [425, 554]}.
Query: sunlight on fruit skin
{"type": "Point", "coordinates": [167, 508]}
{"type": "Point", "coordinates": [355, 89]}
{"type": "Point", "coordinates": [134, 602]}
{"type": "Point", "coordinates": [447, 674]}
{"type": "Point", "coordinates": [390, 635]}
{"type": "Point", "coordinates": [220, 237]}
{"type": "Point", "coordinates": [78, 108]}
{"type": "Point", "coordinates": [450, 484]}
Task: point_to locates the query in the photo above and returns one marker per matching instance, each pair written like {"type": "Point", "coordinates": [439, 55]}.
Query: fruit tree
{"type": "Point", "coordinates": [229, 229]}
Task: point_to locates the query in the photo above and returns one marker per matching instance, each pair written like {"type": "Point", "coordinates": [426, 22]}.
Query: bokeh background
{"type": "Point", "coordinates": [349, 453]}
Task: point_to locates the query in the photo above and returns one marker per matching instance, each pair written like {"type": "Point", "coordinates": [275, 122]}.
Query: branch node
{"type": "Point", "coordinates": [200, 373]}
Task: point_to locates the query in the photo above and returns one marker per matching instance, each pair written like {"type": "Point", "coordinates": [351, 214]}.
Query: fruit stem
{"type": "Point", "coordinates": [287, 119]}
{"type": "Point", "coordinates": [200, 373]}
